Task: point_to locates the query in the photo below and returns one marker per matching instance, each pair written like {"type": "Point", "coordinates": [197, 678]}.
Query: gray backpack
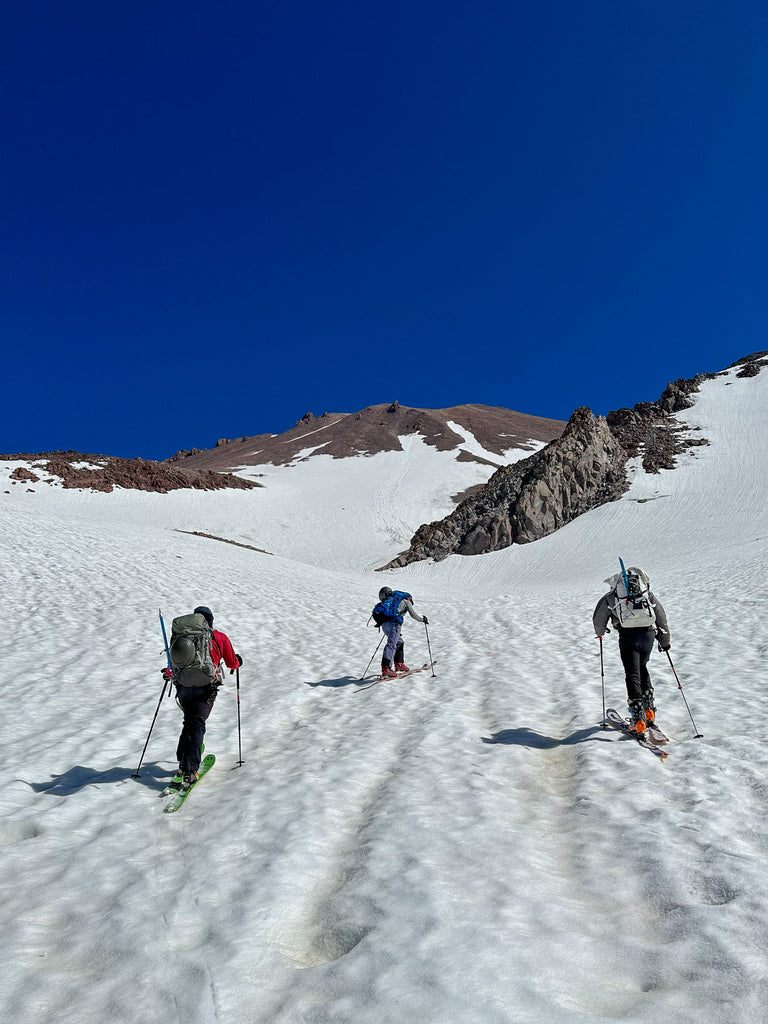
{"type": "Point", "coordinates": [630, 600]}
{"type": "Point", "coordinates": [190, 651]}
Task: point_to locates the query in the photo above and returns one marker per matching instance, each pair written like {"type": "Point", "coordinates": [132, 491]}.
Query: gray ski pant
{"type": "Point", "coordinates": [394, 650]}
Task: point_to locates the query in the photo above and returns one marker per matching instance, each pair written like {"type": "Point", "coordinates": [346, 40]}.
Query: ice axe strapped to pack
{"type": "Point", "coordinates": [631, 602]}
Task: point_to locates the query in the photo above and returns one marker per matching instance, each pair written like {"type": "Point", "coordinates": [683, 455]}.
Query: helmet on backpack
{"type": "Point", "coordinates": [384, 593]}
{"type": "Point", "coordinates": [189, 652]}
{"type": "Point", "coordinates": [206, 613]}
{"type": "Point", "coordinates": [182, 652]}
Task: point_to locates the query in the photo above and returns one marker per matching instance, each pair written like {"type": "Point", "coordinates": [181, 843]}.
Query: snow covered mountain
{"type": "Point", "coordinates": [340, 490]}
{"type": "Point", "coordinates": [480, 433]}
{"type": "Point", "coordinates": [465, 847]}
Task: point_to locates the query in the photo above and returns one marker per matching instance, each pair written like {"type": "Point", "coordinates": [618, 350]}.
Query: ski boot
{"type": "Point", "coordinates": [401, 667]}
{"type": "Point", "coordinates": [387, 672]}
{"type": "Point", "coordinates": [637, 719]}
{"type": "Point", "coordinates": [649, 706]}
{"type": "Point", "coordinates": [189, 779]}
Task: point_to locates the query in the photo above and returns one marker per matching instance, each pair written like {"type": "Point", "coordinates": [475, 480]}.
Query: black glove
{"type": "Point", "coordinates": [664, 645]}
{"type": "Point", "coordinates": [166, 674]}
{"type": "Point", "coordinates": [426, 620]}
{"type": "Point", "coordinates": [239, 659]}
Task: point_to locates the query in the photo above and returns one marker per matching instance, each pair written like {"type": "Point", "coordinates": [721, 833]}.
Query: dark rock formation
{"type": "Point", "coordinates": [22, 473]}
{"type": "Point", "coordinates": [105, 472]}
{"type": "Point", "coordinates": [224, 540]}
{"type": "Point", "coordinates": [754, 357]}
{"type": "Point", "coordinates": [520, 503]}
{"type": "Point", "coordinates": [751, 365]}
{"type": "Point", "coordinates": [649, 428]}
{"type": "Point", "coordinates": [577, 472]}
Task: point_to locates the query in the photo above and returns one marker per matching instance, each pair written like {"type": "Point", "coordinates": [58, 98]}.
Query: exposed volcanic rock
{"type": "Point", "coordinates": [105, 472]}
{"type": "Point", "coordinates": [579, 471]}
{"type": "Point", "coordinates": [751, 365]}
{"type": "Point", "coordinates": [377, 429]}
{"type": "Point", "coordinates": [520, 503]}
{"type": "Point", "coordinates": [650, 428]}
{"type": "Point", "coordinates": [21, 473]}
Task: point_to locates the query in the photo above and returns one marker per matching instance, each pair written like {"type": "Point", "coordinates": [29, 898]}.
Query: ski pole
{"type": "Point", "coordinates": [165, 683]}
{"type": "Point", "coordinates": [372, 657]}
{"type": "Point", "coordinates": [136, 773]}
{"type": "Point", "coordinates": [697, 734]}
{"type": "Point", "coordinates": [602, 679]}
{"type": "Point", "coordinates": [239, 735]}
{"type": "Point", "coordinates": [429, 650]}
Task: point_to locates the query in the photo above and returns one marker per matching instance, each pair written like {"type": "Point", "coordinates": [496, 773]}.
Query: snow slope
{"type": "Point", "coordinates": [465, 848]}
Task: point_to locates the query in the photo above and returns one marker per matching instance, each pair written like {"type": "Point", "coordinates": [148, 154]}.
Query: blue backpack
{"type": "Point", "coordinates": [386, 611]}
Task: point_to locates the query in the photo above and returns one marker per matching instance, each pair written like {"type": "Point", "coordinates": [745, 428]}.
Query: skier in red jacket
{"type": "Point", "coordinates": [197, 701]}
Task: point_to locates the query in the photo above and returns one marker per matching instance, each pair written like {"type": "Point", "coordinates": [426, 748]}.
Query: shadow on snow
{"type": "Point", "coordinates": [528, 738]}
{"type": "Point", "coordinates": [341, 681]}
{"type": "Point", "coordinates": [77, 778]}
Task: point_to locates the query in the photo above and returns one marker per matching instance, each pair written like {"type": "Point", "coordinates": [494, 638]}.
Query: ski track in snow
{"type": "Point", "coordinates": [468, 847]}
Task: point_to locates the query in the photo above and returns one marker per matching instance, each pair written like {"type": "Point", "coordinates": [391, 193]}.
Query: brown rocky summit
{"type": "Point", "coordinates": [376, 429]}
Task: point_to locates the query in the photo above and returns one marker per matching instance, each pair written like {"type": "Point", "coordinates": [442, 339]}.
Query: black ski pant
{"type": "Point", "coordinates": [197, 703]}
{"type": "Point", "coordinates": [635, 646]}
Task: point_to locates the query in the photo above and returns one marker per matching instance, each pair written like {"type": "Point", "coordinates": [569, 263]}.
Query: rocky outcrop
{"type": "Point", "coordinates": [21, 473]}
{"type": "Point", "coordinates": [105, 472]}
{"type": "Point", "coordinates": [650, 430]}
{"type": "Point", "coordinates": [577, 472]}
{"type": "Point", "coordinates": [751, 365]}
{"type": "Point", "coordinates": [531, 499]}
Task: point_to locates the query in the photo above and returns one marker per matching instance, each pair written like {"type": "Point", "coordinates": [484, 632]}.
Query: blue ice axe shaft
{"type": "Point", "coordinates": [136, 774]}
{"type": "Point", "coordinates": [165, 640]}
{"type": "Point", "coordinates": [624, 574]}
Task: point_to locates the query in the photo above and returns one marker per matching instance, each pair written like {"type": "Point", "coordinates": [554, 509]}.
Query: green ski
{"type": "Point", "coordinates": [175, 784]}
{"type": "Point", "coordinates": [179, 797]}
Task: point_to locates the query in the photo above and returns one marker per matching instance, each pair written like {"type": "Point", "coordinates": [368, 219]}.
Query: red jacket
{"type": "Point", "coordinates": [222, 648]}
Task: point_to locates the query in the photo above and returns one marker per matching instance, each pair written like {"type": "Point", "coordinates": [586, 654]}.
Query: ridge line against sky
{"type": "Point", "coordinates": [218, 218]}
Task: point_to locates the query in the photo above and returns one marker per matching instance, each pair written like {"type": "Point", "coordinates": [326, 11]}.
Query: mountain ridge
{"type": "Point", "coordinates": [378, 428]}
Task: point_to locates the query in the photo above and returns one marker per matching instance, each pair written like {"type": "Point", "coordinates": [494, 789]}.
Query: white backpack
{"type": "Point", "coordinates": [630, 599]}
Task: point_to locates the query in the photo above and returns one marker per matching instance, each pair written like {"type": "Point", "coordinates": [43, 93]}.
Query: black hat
{"type": "Point", "coordinates": [206, 613]}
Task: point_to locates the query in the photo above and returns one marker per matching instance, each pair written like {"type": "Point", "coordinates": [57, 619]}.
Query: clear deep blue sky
{"type": "Point", "coordinates": [217, 216]}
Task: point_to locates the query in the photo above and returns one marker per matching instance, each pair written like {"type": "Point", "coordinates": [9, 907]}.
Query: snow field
{"type": "Point", "coordinates": [472, 847]}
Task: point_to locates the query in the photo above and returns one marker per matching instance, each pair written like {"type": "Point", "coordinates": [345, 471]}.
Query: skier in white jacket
{"type": "Point", "coordinates": [639, 617]}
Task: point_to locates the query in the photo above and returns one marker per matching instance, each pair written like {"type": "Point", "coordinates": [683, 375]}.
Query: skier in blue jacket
{"type": "Point", "coordinates": [395, 603]}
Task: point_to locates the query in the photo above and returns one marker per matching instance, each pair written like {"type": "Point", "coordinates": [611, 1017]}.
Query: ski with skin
{"type": "Point", "coordinates": [175, 784]}
{"type": "Point", "coordinates": [614, 719]}
{"type": "Point", "coordinates": [655, 734]}
{"type": "Point", "coordinates": [397, 675]}
{"type": "Point", "coordinates": [179, 797]}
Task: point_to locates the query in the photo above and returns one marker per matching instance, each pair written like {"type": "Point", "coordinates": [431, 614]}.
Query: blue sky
{"type": "Point", "coordinates": [216, 217]}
